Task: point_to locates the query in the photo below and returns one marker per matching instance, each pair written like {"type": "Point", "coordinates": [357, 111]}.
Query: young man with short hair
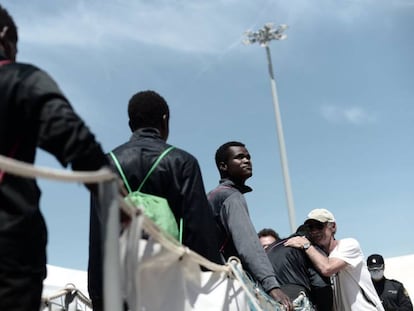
{"type": "Point", "coordinates": [177, 178]}
{"type": "Point", "coordinates": [236, 231]}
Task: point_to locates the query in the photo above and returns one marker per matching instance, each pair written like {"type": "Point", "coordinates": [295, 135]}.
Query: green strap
{"type": "Point", "coordinates": [162, 155]}
{"type": "Point", "coordinates": [118, 166]}
{"type": "Point", "coordinates": [181, 230]}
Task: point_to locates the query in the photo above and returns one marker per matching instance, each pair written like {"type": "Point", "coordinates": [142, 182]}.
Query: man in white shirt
{"type": "Point", "coordinates": [346, 265]}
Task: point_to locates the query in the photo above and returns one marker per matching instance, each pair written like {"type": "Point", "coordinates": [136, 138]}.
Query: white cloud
{"type": "Point", "coordinates": [352, 115]}
{"type": "Point", "coordinates": [183, 25]}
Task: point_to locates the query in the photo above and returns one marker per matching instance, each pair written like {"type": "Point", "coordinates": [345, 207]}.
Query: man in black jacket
{"type": "Point", "coordinates": [33, 113]}
{"type": "Point", "coordinates": [392, 293]}
{"type": "Point", "coordinates": [295, 273]}
{"type": "Point", "coordinates": [176, 178]}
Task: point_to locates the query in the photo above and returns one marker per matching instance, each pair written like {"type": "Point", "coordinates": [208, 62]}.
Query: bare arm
{"type": "Point", "coordinates": [325, 265]}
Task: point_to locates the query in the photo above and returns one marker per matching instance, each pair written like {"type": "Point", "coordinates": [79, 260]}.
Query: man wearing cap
{"type": "Point", "coordinates": [392, 293]}
{"type": "Point", "coordinates": [353, 288]}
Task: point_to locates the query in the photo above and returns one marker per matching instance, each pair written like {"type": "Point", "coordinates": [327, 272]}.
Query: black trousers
{"type": "Point", "coordinates": [20, 291]}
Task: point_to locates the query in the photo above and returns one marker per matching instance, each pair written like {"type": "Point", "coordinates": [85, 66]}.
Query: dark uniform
{"type": "Point", "coordinates": [393, 295]}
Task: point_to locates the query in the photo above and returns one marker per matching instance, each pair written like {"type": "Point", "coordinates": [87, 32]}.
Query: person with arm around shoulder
{"type": "Point", "coordinates": [345, 264]}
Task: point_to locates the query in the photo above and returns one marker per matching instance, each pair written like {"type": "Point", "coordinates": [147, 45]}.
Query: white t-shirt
{"type": "Point", "coordinates": [353, 286]}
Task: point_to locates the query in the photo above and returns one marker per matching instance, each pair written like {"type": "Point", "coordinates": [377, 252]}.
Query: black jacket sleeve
{"type": "Point", "coordinates": [199, 226]}
{"type": "Point", "coordinates": [61, 131]}
{"type": "Point", "coordinates": [243, 234]}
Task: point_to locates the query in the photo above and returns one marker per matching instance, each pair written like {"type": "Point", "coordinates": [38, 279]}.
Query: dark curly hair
{"type": "Point", "coordinates": [269, 232]}
{"type": "Point", "coordinates": [10, 33]}
{"type": "Point", "coordinates": [146, 109]}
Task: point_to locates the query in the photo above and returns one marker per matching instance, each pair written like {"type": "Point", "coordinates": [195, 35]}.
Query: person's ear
{"type": "Point", "coordinates": [165, 128]}
{"type": "Point", "coordinates": [9, 47]}
{"type": "Point", "coordinates": [3, 41]}
{"type": "Point", "coordinates": [333, 226]}
{"type": "Point", "coordinates": [223, 166]}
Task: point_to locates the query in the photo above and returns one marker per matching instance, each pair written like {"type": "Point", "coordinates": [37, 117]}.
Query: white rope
{"type": "Point", "coordinates": [27, 170]}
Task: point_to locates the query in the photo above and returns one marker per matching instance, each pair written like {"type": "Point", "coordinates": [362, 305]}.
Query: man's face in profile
{"type": "Point", "coordinates": [238, 166]}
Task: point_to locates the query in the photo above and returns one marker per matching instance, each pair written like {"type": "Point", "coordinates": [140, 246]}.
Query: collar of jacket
{"type": "Point", "coordinates": [146, 132]}
{"type": "Point", "coordinates": [228, 182]}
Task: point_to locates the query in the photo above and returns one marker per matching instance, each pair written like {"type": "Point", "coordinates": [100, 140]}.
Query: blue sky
{"type": "Point", "coordinates": [344, 76]}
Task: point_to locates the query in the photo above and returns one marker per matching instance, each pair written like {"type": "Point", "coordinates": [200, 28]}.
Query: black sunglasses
{"type": "Point", "coordinates": [316, 225]}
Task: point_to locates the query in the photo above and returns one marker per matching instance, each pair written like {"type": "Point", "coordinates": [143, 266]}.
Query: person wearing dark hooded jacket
{"type": "Point", "coordinates": [295, 273]}
{"type": "Point", "coordinates": [33, 113]}
{"type": "Point", "coordinates": [235, 229]}
{"type": "Point", "coordinates": [177, 178]}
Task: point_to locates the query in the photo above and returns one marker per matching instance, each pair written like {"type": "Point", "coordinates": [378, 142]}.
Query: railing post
{"type": "Point", "coordinates": [108, 196]}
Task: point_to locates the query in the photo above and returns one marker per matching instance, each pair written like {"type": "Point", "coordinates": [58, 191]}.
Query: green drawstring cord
{"type": "Point", "coordinates": [181, 230]}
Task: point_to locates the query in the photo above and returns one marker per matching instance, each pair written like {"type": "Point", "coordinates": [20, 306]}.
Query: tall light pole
{"type": "Point", "coordinates": [263, 37]}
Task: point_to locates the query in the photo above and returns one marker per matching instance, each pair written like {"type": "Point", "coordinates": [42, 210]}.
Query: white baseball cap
{"type": "Point", "coordinates": [321, 215]}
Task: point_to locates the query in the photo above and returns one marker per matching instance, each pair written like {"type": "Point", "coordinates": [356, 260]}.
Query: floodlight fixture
{"type": "Point", "coordinates": [266, 34]}
{"type": "Point", "coordinates": [263, 37]}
